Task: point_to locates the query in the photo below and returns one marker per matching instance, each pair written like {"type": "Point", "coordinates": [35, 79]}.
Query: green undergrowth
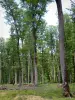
{"type": "Point", "coordinates": [47, 91]}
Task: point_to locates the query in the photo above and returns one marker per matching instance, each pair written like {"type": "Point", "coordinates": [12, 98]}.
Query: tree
{"type": "Point", "coordinates": [69, 45]}
{"type": "Point", "coordinates": [62, 50]}
{"type": "Point", "coordinates": [2, 60]}
{"type": "Point", "coordinates": [15, 17]}
{"type": "Point", "coordinates": [35, 9]}
{"type": "Point", "coordinates": [51, 33]}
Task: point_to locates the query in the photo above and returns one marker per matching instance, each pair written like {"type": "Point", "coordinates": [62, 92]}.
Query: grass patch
{"type": "Point", "coordinates": [42, 92]}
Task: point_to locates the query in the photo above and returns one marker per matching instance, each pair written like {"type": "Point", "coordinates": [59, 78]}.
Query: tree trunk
{"type": "Point", "coordinates": [19, 62]}
{"type": "Point", "coordinates": [42, 68]}
{"type": "Point", "coordinates": [28, 66]}
{"type": "Point", "coordinates": [0, 74]}
{"type": "Point", "coordinates": [15, 76]}
{"type": "Point", "coordinates": [66, 89]}
{"type": "Point", "coordinates": [35, 72]}
{"type": "Point", "coordinates": [35, 78]}
{"type": "Point", "coordinates": [22, 64]}
{"type": "Point", "coordinates": [9, 78]}
{"type": "Point", "coordinates": [18, 53]}
{"type": "Point", "coordinates": [31, 59]}
{"type": "Point", "coordinates": [59, 76]}
{"type": "Point", "coordinates": [20, 77]}
{"type": "Point", "coordinates": [74, 65]}
{"type": "Point", "coordinates": [22, 74]}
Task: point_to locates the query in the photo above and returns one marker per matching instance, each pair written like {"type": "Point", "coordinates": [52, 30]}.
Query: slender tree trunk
{"type": "Point", "coordinates": [35, 78]}
{"type": "Point", "coordinates": [22, 75]}
{"type": "Point", "coordinates": [19, 62]}
{"type": "Point", "coordinates": [59, 77]}
{"type": "Point", "coordinates": [31, 59]}
{"type": "Point", "coordinates": [74, 65]}
{"type": "Point", "coordinates": [35, 72]}
{"type": "Point", "coordinates": [9, 78]}
{"type": "Point", "coordinates": [0, 75]}
{"type": "Point", "coordinates": [42, 67]}
{"type": "Point", "coordinates": [28, 66]}
{"type": "Point", "coordinates": [18, 53]}
{"type": "Point", "coordinates": [31, 75]}
{"type": "Point", "coordinates": [54, 74]}
{"type": "Point", "coordinates": [66, 89]}
{"type": "Point", "coordinates": [15, 76]}
{"type": "Point", "coordinates": [52, 67]}
{"type": "Point", "coordinates": [22, 64]}
{"type": "Point", "coordinates": [70, 78]}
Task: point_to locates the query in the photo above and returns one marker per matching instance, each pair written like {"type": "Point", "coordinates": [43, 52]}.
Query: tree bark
{"type": "Point", "coordinates": [66, 89]}
{"type": "Point", "coordinates": [42, 68]}
{"type": "Point", "coordinates": [22, 64]}
{"type": "Point", "coordinates": [31, 60]}
{"type": "Point", "coordinates": [9, 78]}
{"type": "Point", "coordinates": [22, 75]}
{"type": "Point", "coordinates": [35, 78]}
{"type": "Point", "coordinates": [74, 65]}
{"type": "Point", "coordinates": [28, 67]}
{"type": "Point", "coordinates": [15, 76]}
{"type": "Point", "coordinates": [18, 55]}
{"type": "Point", "coordinates": [0, 74]}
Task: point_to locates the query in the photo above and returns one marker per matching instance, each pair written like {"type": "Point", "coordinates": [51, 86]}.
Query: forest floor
{"type": "Point", "coordinates": [29, 92]}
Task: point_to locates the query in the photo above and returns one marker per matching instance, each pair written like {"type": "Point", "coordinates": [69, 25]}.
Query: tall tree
{"type": "Point", "coordinates": [73, 31]}
{"type": "Point", "coordinates": [62, 50]}
{"type": "Point", "coordinates": [13, 15]}
{"type": "Point", "coordinates": [36, 9]}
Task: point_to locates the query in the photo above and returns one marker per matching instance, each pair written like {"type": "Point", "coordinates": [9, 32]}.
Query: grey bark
{"type": "Point", "coordinates": [31, 62]}
{"type": "Point", "coordinates": [35, 77]}
{"type": "Point", "coordinates": [62, 49]}
{"type": "Point", "coordinates": [15, 76]}
{"type": "Point", "coordinates": [28, 66]}
{"type": "Point", "coordinates": [22, 75]}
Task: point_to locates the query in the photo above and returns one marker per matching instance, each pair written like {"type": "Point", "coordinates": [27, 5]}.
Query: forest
{"type": "Point", "coordinates": [37, 54]}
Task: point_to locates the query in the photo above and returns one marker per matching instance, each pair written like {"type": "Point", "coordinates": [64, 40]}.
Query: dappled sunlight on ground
{"type": "Point", "coordinates": [29, 97]}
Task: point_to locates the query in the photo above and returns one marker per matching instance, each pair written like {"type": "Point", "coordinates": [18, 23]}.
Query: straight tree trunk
{"type": "Point", "coordinates": [22, 64]}
{"type": "Point", "coordinates": [66, 89]}
{"type": "Point", "coordinates": [22, 75]}
{"type": "Point", "coordinates": [74, 65]}
{"type": "Point", "coordinates": [15, 76]}
{"type": "Point", "coordinates": [9, 78]}
{"type": "Point", "coordinates": [59, 77]}
{"type": "Point", "coordinates": [19, 62]}
{"type": "Point", "coordinates": [18, 53]}
{"type": "Point", "coordinates": [31, 62]}
{"type": "Point", "coordinates": [42, 68]}
{"type": "Point", "coordinates": [0, 75]}
{"type": "Point", "coordinates": [35, 70]}
{"type": "Point", "coordinates": [35, 78]}
{"type": "Point", "coordinates": [28, 66]}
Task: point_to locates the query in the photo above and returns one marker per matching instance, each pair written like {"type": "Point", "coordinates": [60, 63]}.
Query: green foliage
{"type": "Point", "coordinates": [29, 28]}
{"type": "Point", "coordinates": [69, 44]}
